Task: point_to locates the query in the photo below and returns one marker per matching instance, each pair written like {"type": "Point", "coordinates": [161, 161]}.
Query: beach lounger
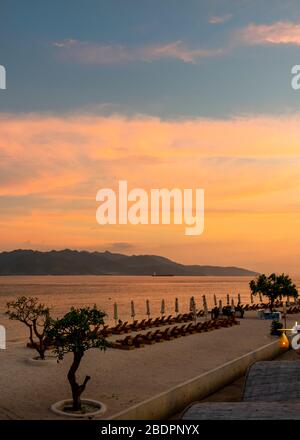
{"type": "Point", "coordinates": [142, 324]}
{"type": "Point", "coordinates": [189, 328]}
{"type": "Point", "coordinates": [149, 323]}
{"type": "Point", "coordinates": [115, 330]}
{"type": "Point", "coordinates": [148, 338]}
{"type": "Point", "coordinates": [156, 336]}
{"type": "Point", "coordinates": [138, 341]}
{"type": "Point", "coordinates": [124, 328]}
{"type": "Point", "coordinates": [123, 344]}
{"type": "Point", "coordinates": [105, 331]}
{"type": "Point", "coordinates": [175, 331]}
{"type": "Point", "coordinates": [156, 322]}
{"type": "Point", "coordinates": [166, 334]}
{"type": "Point", "coordinates": [168, 320]}
{"type": "Point", "coordinates": [198, 327]}
{"type": "Point", "coordinates": [178, 318]}
{"type": "Point", "coordinates": [135, 326]}
{"type": "Point", "coordinates": [185, 317]}
{"type": "Point", "coordinates": [183, 330]}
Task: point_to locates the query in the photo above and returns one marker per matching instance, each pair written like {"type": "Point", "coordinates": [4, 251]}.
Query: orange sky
{"type": "Point", "coordinates": [52, 167]}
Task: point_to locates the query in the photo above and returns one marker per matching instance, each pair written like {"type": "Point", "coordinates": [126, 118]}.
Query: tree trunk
{"type": "Point", "coordinates": [30, 333]}
{"type": "Point", "coordinates": [77, 389]}
{"type": "Point", "coordinates": [40, 347]}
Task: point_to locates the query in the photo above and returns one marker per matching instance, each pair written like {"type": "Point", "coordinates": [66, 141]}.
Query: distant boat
{"type": "Point", "coordinates": [162, 274]}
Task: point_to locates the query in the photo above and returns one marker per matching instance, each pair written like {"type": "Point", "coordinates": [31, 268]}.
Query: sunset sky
{"type": "Point", "coordinates": [193, 94]}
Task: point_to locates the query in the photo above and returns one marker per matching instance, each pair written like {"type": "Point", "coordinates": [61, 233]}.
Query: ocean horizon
{"type": "Point", "coordinates": [61, 292]}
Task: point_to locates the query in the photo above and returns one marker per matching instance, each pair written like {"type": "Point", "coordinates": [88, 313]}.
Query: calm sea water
{"type": "Point", "coordinates": [62, 292]}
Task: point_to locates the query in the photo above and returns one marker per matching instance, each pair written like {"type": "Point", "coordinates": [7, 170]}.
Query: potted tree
{"type": "Point", "coordinates": [274, 287]}
{"type": "Point", "coordinates": [36, 317]}
{"type": "Point", "coordinates": [77, 332]}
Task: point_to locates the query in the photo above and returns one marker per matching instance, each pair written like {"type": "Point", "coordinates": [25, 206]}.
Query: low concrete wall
{"type": "Point", "coordinates": [170, 402]}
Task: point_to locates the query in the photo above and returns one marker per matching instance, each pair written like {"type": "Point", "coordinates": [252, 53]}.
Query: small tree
{"type": "Point", "coordinates": [77, 332]}
{"type": "Point", "coordinates": [35, 316]}
{"type": "Point", "coordinates": [274, 287]}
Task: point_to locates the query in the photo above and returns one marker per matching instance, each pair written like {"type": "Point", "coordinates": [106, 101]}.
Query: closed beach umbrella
{"type": "Point", "coordinates": [116, 312]}
{"type": "Point", "coordinates": [205, 308]}
{"type": "Point", "coordinates": [163, 307]}
{"type": "Point", "coordinates": [232, 302]}
{"type": "Point", "coordinates": [251, 298]}
{"type": "Point", "coordinates": [228, 300]}
{"type": "Point", "coordinates": [260, 297]}
{"type": "Point", "coordinates": [132, 310]}
{"type": "Point", "coordinates": [191, 303]}
{"type": "Point", "coordinates": [176, 306]}
{"type": "Point", "coordinates": [193, 307]}
{"type": "Point", "coordinates": [148, 308]}
{"type": "Point", "coordinates": [215, 300]}
{"type": "Point", "coordinates": [239, 298]}
{"type": "Point", "coordinates": [220, 306]}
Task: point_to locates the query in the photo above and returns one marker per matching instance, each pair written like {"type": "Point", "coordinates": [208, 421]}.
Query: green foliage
{"type": "Point", "coordinates": [36, 316]}
{"type": "Point", "coordinates": [274, 287]}
{"type": "Point", "coordinates": [77, 331]}
{"type": "Point", "coordinates": [275, 327]}
{"type": "Point", "coordinates": [27, 310]}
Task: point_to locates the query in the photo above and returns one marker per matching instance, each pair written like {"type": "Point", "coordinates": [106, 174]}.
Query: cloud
{"type": "Point", "coordinates": [107, 54]}
{"type": "Point", "coordinates": [219, 19]}
{"type": "Point", "coordinates": [67, 157]}
{"type": "Point", "coordinates": [122, 246]}
{"type": "Point", "coordinates": [66, 43]}
{"type": "Point", "coordinates": [93, 53]}
{"type": "Point", "coordinates": [279, 33]}
{"type": "Point", "coordinates": [52, 167]}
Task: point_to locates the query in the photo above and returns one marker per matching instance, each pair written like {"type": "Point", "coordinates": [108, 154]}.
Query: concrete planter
{"type": "Point", "coordinates": [92, 407]}
{"type": "Point", "coordinates": [262, 314]}
{"type": "Point", "coordinates": [37, 361]}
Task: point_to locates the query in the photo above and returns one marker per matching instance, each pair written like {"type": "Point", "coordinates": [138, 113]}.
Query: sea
{"type": "Point", "coordinates": [60, 293]}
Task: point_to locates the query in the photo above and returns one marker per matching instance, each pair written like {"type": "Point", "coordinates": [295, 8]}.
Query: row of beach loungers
{"type": "Point", "coordinates": [295, 309]}
{"type": "Point", "coordinates": [152, 337]}
{"type": "Point", "coordinates": [144, 324]}
{"type": "Point", "coordinates": [290, 310]}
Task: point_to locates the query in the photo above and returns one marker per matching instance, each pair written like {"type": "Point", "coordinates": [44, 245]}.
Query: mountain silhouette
{"type": "Point", "coordinates": [73, 262]}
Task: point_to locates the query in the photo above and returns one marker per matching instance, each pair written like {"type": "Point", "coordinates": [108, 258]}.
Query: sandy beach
{"type": "Point", "coordinates": [120, 378]}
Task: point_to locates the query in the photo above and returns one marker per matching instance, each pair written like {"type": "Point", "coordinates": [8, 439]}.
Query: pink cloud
{"type": "Point", "coordinates": [106, 54]}
{"type": "Point", "coordinates": [281, 32]}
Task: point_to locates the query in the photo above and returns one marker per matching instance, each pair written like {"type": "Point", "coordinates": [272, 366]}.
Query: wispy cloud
{"type": "Point", "coordinates": [107, 54]}
{"type": "Point", "coordinates": [96, 53]}
{"type": "Point", "coordinates": [279, 33]}
{"type": "Point", "coordinates": [65, 43]}
{"type": "Point", "coordinates": [219, 19]}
